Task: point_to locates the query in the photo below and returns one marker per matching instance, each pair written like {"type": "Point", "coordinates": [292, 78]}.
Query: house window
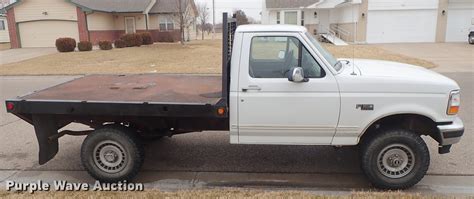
{"type": "Point", "coordinates": [278, 18]}
{"type": "Point", "coordinates": [2, 25]}
{"type": "Point", "coordinates": [302, 18]}
{"type": "Point", "coordinates": [166, 24]}
{"type": "Point", "coordinates": [291, 18]}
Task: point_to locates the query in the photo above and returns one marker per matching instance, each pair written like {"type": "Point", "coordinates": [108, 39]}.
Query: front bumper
{"type": "Point", "coordinates": [451, 133]}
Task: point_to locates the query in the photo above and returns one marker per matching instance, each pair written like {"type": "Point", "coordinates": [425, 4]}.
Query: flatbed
{"type": "Point", "coordinates": [159, 104]}
{"type": "Point", "coordinates": [144, 88]}
{"type": "Point", "coordinates": [153, 104]}
{"type": "Point", "coordinates": [127, 95]}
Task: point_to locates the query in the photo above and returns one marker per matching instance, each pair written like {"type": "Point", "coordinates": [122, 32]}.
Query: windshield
{"type": "Point", "coordinates": [326, 54]}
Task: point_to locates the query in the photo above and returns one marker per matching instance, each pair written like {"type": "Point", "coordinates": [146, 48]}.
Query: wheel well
{"type": "Point", "coordinates": [418, 124]}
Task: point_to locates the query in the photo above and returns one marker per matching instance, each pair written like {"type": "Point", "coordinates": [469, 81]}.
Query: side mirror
{"type": "Point", "coordinates": [296, 75]}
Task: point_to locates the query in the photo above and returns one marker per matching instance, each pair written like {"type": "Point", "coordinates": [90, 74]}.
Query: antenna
{"type": "Point", "coordinates": [355, 38]}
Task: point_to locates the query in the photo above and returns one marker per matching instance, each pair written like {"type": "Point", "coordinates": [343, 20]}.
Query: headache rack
{"type": "Point", "coordinates": [228, 33]}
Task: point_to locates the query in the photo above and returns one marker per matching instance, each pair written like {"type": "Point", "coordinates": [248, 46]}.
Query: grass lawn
{"type": "Point", "coordinates": [372, 52]}
{"type": "Point", "coordinates": [215, 193]}
{"type": "Point", "coordinates": [195, 57]}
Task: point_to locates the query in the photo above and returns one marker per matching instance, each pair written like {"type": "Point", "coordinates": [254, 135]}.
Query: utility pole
{"type": "Point", "coordinates": [213, 19]}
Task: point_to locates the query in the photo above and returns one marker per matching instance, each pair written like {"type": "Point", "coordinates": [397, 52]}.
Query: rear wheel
{"type": "Point", "coordinates": [471, 39]}
{"type": "Point", "coordinates": [395, 159]}
{"type": "Point", "coordinates": [112, 154]}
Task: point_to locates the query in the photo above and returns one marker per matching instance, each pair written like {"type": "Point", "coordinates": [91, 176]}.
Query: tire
{"type": "Point", "coordinates": [471, 40]}
{"type": "Point", "coordinates": [112, 154]}
{"type": "Point", "coordinates": [395, 159]}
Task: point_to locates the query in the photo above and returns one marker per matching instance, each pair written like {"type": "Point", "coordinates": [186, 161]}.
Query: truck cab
{"type": "Point", "coordinates": [334, 102]}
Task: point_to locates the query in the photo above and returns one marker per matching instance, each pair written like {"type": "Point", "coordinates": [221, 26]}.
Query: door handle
{"type": "Point", "coordinates": [252, 88]}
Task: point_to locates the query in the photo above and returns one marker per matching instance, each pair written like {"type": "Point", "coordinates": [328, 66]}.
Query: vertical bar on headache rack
{"type": "Point", "coordinates": [225, 58]}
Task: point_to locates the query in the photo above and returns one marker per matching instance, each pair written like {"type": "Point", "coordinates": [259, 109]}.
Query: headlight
{"type": "Point", "coordinates": [454, 103]}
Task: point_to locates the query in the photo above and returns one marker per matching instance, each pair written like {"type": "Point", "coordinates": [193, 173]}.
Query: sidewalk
{"type": "Point", "coordinates": [21, 54]}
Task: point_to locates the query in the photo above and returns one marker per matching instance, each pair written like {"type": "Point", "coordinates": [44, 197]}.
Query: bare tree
{"type": "Point", "coordinates": [241, 17]}
{"type": "Point", "coordinates": [203, 17]}
{"type": "Point", "coordinates": [185, 17]}
{"type": "Point", "coordinates": [208, 28]}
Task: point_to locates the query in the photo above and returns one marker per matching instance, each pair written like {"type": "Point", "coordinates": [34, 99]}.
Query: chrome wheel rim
{"type": "Point", "coordinates": [109, 156]}
{"type": "Point", "coordinates": [396, 161]}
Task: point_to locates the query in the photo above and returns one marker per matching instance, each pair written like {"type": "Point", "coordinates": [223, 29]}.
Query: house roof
{"type": "Point", "coordinates": [289, 3]}
{"type": "Point", "coordinates": [170, 6]}
{"type": "Point", "coordinates": [113, 5]}
{"type": "Point", "coordinates": [126, 6]}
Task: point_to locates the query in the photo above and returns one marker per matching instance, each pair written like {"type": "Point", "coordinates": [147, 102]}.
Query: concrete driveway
{"type": "Point", "coordinates": [21, 54]}
{"type": "Point", "coordinates": [450, 57]}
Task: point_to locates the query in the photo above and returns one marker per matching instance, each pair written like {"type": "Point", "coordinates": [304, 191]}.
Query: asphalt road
{"type": "Point", "coordinates": [211, 151]}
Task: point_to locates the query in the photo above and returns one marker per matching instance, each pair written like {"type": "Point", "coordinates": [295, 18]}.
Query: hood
{"type": "Point", "coordinates": [398, 75]}
{"type": "Point", "coordinates": [393, 69]}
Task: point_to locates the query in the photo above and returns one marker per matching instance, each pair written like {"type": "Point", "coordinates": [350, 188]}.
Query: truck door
{"type": "Point", "coordinates": [273, 110]}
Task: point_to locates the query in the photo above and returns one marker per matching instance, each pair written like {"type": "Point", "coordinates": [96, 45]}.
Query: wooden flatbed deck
{"type": "Point", "coordinates": [153, 88]}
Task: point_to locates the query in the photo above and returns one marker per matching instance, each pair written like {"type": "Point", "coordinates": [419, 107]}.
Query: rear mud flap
{"type": "Point", "coordinates": [45, 127]}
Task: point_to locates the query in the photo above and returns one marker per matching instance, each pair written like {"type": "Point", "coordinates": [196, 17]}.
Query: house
{"type": "Point", "coordinates": [38, 23]}
{"type": "Point", "coordinates": [4, 35]}
{"type": "Point", "coordinates": [377, 21]}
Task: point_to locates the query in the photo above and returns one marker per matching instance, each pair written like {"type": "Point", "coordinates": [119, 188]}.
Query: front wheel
{"type": "Point", "coordinates": [395, 159]}
{"type": "Point", "coordinates": [471, 39]}
{"type": "Point", "coordinates": [112, 154]}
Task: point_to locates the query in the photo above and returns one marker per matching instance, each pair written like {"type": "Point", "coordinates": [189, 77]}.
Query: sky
{"type": "Point", "coordinates": [251, 7]}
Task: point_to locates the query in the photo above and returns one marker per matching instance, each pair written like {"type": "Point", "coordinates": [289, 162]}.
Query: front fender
{"type": "Point", "coordinates": [354, 121]}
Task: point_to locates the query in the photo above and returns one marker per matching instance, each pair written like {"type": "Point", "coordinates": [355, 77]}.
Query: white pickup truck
{"type": "Point", "coordinates": [279, 86]}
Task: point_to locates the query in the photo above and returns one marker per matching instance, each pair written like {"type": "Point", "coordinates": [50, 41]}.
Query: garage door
{"type": "Point", "coordinates": [460, 19]}
{"type": "Point", "coordinates": [393, 26]}
{"type": "Point", "coordinates": [45, 33]}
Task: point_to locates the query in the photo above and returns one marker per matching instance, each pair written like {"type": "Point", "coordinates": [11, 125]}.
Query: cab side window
{"type": "Point", "coordinates": [273, 57]}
